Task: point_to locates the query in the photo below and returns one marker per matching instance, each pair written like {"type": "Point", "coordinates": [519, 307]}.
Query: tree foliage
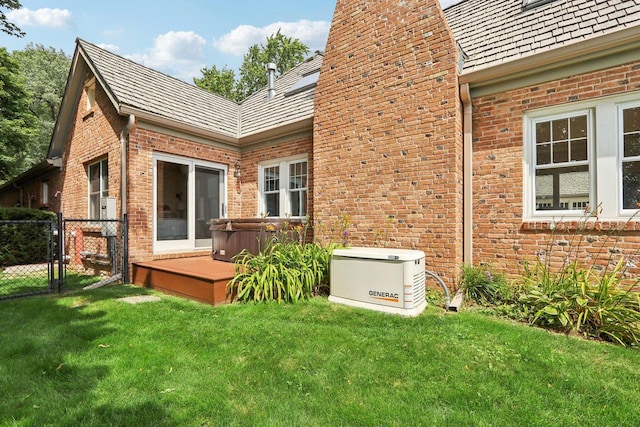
{"type": "Point", "coordinates": [17, 124]}
{"type": "Point", "coordinates": [45, 73]}
{"type": "Point", "coordinates": [6, 26]}
{"type": "Point", "coordinates": [222, 81]}
{"type": "Point", "coordinates": [284, 51]}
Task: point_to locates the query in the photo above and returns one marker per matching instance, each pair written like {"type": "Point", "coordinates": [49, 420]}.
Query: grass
{"type": "Point", "coordinates": [38, 282]}
{"type": "Point", "coordinates": [88, 359]}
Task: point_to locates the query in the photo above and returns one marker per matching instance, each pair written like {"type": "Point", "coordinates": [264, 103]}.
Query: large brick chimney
{"type": "Point", "coordinates": [387, 131]}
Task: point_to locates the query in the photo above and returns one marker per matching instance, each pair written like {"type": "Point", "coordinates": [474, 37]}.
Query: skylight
{"type": "Point", "coordinates": [530, 4]}
{"type": "Point", "coordinates": [304, 82]}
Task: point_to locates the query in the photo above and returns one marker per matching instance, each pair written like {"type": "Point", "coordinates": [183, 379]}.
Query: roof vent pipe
{"type": "Point", "coordinates": [271, 70]}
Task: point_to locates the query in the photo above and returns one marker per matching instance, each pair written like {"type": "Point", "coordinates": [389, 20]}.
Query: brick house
{"type": "Point", "coordinates": [467, 133]}
{"type": "Point", "coordinates": [36, 188]}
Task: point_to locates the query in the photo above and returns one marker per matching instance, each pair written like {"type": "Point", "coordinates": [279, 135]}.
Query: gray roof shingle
{"type": "Point", "coordinates": [142, 88]}
{"type": "Point", "coordinates": [136, 86]}
{"type": "Point", "coordinates": [259, 113]}
{"type": "Point", "coordinates": [492, 32]}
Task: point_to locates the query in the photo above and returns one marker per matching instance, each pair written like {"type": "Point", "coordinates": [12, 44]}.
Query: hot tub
{"type": "Point", "coordinates": [231, 235]}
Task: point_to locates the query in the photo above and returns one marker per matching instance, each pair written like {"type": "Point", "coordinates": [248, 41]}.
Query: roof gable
{"type": "Point", "coordinates": [131, 85]}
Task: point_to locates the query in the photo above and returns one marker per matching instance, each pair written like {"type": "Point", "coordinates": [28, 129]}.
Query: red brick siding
{"type": "Point", "coordinates": [142, 145]}
{"type": "Point", "coordinates": [500, 235]}
{"type": "Point", "coordinates": [32, 196]}
{"type": "Point", "coordinates": [387, 131]}
{"type": "Point", "coordinates": [252, 157]}
{"type": "Point", "coordinates": [94, 137]}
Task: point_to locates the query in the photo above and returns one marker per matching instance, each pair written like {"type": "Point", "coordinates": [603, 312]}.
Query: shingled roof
{"type": "Point", "coordinates": [135, 88]}
{"type": "Point", "coordinates": [132, 85]}
{"type": "Point", "coordinates": [493, 32]}
{"type": "Point", "coordinates": [258, 113]}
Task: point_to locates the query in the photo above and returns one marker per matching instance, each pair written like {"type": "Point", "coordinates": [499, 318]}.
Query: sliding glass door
{"type": "Point", "coordinates": [187, 195]}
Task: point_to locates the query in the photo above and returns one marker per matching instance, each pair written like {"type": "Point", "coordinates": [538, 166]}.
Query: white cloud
{"type": "Point", "coordinates": [45, 17]}
{"type": "Point", "coordinates": [237, 41]}
{"type": "Point", "coordinates": [177, 53]}
{"type": "Point", "coordinates": [110, 47]}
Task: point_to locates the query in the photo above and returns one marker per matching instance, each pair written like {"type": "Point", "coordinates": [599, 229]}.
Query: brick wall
{"type": "Point", "coordinates": [387, 131]}
{"type": "Point", "coordinates": [142, 145]}
{"type": "Point", "coordinates": [250, 160]}
{"type": "Point", "coordinates": [501, 237]}
{"type": "Point", "coordinates": [94, 137]}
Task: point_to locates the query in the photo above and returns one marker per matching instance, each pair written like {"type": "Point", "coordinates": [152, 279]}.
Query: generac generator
{"type": "Point", "coordinates": [388, 280]}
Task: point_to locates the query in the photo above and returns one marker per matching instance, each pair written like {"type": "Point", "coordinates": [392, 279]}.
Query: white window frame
{"type": "Point", "coordinates": [530, 159]}
{"type": "Point", "coordinates": [90, 91]}
{"type": "Point", "coordinates": [605, 157]}
{"type": "Point", "coordinates": [103, 177]}
{"type": "Point", "coordinates": [621, 158]}
{"type": "Point", "coordinates": [284, 191]}
{"type": "Point", "coordinates": [45, 192]}
{"type": "Point", "coordinates": [190, 243]}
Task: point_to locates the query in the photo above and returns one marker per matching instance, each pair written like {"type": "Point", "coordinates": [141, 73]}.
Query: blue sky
{"type": "Point", "coordinates": [177, 37]}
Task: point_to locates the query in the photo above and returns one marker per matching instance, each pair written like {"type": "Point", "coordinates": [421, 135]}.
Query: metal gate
{"type": "Point", "coordinates": [28, 258]}
{"type": "Point", "coordinates": [45, 256]}
{"type": "Point", "coordinates": [96, 248]}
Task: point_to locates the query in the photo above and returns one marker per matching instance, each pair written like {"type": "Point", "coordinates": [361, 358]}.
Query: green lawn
{"type": "Point", "coordinates": [88, 359]}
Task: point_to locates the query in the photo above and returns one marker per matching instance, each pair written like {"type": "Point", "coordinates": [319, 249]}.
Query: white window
{"type": "Point", "coordinates": [98, 186]}
{"type": "Point", "coordinates": [583, 156]}
{"type": "Point", "coordinates": [561, 153]}
{"type": "Point", "coordinates": [90, 92]}
{"type": "Point", "coordinates": [283, 187]}
{"type": "Point", "coordinates": [187, 194]}
{"type": "Point", "coordinates": [45, 192]}
{"type": "Point", "coordinates": [630, 156]}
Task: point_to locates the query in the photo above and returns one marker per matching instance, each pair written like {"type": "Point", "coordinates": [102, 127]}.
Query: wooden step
{"type": "Point", "coordinates": [199, 278]}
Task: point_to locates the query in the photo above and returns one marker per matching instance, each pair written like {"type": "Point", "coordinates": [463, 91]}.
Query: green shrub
{"type": "Point", "coordinates": [284, 271]}
{"type": "Point", "coordinates": [24, 243]}
{"type": "Point", "coordinates": [584, 301]}
{"type": "Point", "coordinates": [482, 285]}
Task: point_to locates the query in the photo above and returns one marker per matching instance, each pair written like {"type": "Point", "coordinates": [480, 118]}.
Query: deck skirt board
{"type": "Point", "coordinates": [200, 278]}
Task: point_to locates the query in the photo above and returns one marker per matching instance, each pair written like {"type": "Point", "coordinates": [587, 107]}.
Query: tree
{"type": "Point", "coordinates": [6, 26]}
{"type": "Point", "coordinates": [222, 81]}
{"type": "Point", "coordinates": [45, 73]}
{"type": "Point", "coordinates": [16, 120]}
{"type": "Point", "coordinates": [284, 51]}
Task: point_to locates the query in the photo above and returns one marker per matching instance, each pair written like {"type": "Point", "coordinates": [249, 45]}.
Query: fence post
{"type": "Point", "coordinates": [60, 252]}
{"type": "Point", "coordinates": [125, 248]}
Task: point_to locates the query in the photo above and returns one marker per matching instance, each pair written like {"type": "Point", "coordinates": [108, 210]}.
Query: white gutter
{"type": "Point", "coordinates": [124, 139]}
{"type": "Point", "coordinates": [467, 180]}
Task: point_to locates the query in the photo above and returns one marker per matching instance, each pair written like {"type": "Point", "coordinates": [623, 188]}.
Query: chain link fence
{"type": "Point", "coordinates": [28, 252]}
{"type": "Point", "coordinates": [96, 248]}
{"type": "Point", "coordinates": [44, 256]}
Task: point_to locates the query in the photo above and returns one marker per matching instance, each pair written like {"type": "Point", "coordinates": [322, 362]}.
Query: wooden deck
{"type": "Point", "coordinates": [199, 278]}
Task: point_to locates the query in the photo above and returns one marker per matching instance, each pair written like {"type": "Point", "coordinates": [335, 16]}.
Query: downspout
{"type": "Point", "coordinates": [124, 138]}
{"type": "Point", "coordinates": [467, 183]}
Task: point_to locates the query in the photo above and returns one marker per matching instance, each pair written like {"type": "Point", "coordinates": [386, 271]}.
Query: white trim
{"type": "Point", "coordinates": [285, 200]}
{"type": "Point", "coordinates": [620, 156]}
{"type": "Point", "coordinates": [190, 243]}
{"type": "Point", "coordinates": [605, 156]}
{"type": "Point", "coordinates": [101, 191]}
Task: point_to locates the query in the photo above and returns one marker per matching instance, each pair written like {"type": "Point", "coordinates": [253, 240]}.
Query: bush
{"type": "Point", "coordinates": [24, 243]}
{"type": "Point", "coordinates": [284, 271]}
{"type": "Point", "coordinates": [482, 285]}
{"type": "Point", "coordinates": [584, 301]}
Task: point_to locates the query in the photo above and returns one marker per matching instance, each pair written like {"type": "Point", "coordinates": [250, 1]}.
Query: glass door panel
{"type": "Point", "coordinates": [208, 203]}
{"type": "Point", "coordinates": [171, 201]}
